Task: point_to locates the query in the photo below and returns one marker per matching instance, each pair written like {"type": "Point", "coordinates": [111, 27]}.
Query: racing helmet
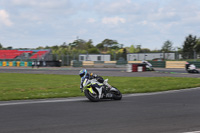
{"type": "Point", "coordinates": [83, 73]}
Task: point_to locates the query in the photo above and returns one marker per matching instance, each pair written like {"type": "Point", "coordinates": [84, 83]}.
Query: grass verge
{"type": "Point", "coordinates": [14, 86]}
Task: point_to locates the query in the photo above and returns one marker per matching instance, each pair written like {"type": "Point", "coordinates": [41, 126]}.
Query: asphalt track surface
{"type": "Point", "coordinates": [166, 112]}
{"type": "Point", "coordinates": [160, 72]}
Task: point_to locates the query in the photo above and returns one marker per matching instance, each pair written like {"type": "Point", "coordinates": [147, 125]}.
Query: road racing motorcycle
{"type": "Point", "coordinates": [148, 65]}
{"type": "Point", "coordinates": [95, 91]}
{"type": "Point", "coordinates": [191, 68]}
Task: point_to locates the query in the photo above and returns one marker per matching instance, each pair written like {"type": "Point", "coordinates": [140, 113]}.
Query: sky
{"type": "Point", "coordinates": [149, 23]}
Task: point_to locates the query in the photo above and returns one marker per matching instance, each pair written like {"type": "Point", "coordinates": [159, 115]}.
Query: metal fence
{"type": "Point", "coordinates": [121, 58]}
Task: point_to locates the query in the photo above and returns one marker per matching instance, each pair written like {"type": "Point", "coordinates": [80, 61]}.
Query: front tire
{"type": "Point", "coordinates": [90, 96]}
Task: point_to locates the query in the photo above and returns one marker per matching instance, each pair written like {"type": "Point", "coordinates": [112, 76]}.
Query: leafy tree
{"type": "Point", "coordinates": [189, 47]}
{"type": "Point", "coordinates": [1, 46]}
{"type": "Point", "coordinates": [40, 47]}
{"type": "Point", "coordinates": [138, 48]}
{"type": "Point", "coordinates": [132, 49]}
{"type": "Point", "coordinates": [82, 44]}
{"type": "Point", "coordinates": [100, 46]}
{"type": "Point", "coordinates": [93, 51]}
{"type": "Point", "coordinates": [9, 48]}
{"type": "Point", "coordinates": [47, 47]}
{"type": "Point", "coordinates": [124, 53]}
{"type": "Point", "coordinates": [155, 51]}
{"type": "Point", "coordinates": [145, 50]}
{"type": "Point", "coordinates": [64, 45]}
{"type": "Point", "coordinates": [89, 44]}
{"type": "Point", "coordinates": [108, 44]}
{"type": "Point", "coordinates": [197, 47]}
{"type": "Point", "coordinates": [167, 46]}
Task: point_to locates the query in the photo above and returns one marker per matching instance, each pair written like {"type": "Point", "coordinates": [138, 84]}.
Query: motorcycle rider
{"type": "Point", "coordinates": [148, 65]}
{"type": "Point", "coordinates": [84, 74]}
{"type": "Point", "coordinates": [191, 68]}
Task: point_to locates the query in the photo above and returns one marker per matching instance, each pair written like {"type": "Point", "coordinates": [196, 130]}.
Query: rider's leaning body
{"type": "Point", "coordinates": [85, 75]}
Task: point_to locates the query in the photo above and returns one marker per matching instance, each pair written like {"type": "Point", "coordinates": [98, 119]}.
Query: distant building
{"type": "Point", "coordinates": [94, 57]}
{"type": "Point", "coordinates": [152, 56]}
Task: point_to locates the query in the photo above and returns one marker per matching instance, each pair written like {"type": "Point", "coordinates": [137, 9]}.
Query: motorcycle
{"type": "Point", "coordinates": [191, 68]}
{"type": "Point", "coordinates": [148, 65]}
{"type": "Point", "coordinates": [95, 91]}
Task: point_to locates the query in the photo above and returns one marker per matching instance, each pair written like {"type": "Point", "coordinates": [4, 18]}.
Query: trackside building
{"type": "Point", "coordinates": [94, 57]}
{"type": "Point", "coordinates": [152, 56]}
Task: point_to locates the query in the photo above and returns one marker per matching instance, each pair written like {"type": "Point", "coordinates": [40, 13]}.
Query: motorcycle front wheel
{"type": "Point", "coordinates": [91, 97]}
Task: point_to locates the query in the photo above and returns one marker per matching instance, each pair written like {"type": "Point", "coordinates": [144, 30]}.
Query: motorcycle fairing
{"type": "Point", "coordinates": [113, 89]}
{"type": "Point", "coordinates": [91, 84]}
{"type": "Point", "coordinates": [91, 90]}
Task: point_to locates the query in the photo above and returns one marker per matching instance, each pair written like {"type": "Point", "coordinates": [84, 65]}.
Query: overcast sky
{"type": "Point", "coordinates": [33, 23]}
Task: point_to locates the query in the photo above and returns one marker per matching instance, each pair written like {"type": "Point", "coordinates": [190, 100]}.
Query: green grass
{"type": "Point", "coordinates": [15, 86]}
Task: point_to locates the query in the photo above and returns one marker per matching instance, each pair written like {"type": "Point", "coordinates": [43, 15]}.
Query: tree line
{"type": "Point", "coordinates": [189, 49]}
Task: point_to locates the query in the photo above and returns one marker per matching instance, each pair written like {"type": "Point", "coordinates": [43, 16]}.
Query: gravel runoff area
{"type": "Point", "coordinates": [159, 72]}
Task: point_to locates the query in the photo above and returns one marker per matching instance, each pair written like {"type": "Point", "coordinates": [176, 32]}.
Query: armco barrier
{"type": "Point", "coordinates": [196, 63]}
{"type": "Point", "coordinates": [18, 63]}
{"type": "Point", "coordinates": [129, 68]}
{"type": "Point", "coordinates": [88, 63]}
{"type": "Point", "coordinates": [109, 64]}
{"type": "Point", "coordinates": [121, 62]}
{"type": "Point", "coordinates": [135, 67]}
{"type": "Point", "coordinates": [21, 63]}
{"type": "Point", "coordinates": [14, 63]}
{"type": "Point", "coordinates": [4, 63]}
{"type": "Point", "coordinates": [134, 62]}
{"type": "Point", "coordinates": [160, 64]}
{"type": "Point", "coordinates": [98, 63]}
{"type": "Point", "coordinates": [25, 64]}
{"type": "Point", "coordinates": [76, 63]}
{"type": "Point", "coordinates": [29, 63]}
{"type": "Point", "coordinates": [10, 63]}
{"type": "Point", "coordinates": [175, 64]}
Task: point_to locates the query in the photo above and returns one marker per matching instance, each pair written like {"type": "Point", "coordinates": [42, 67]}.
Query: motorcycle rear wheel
{"type": "Point", "coordinates": [117, 95]}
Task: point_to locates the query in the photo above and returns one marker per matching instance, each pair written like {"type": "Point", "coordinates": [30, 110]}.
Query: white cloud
{"type": "Point", "coordinates": [128, 21]}
{"type": "Point", "coordinates": [91, 20]}
{"type": "Point", "coordinates": [117, 7]}
{"type": "Point", "coordinates": [143, 22]}
{"type": "Point", "coordinates": [82, 31]}
{"type": "Point", "coordinates": [4, 18]}
{"type": "Point", "coordinates": [41, 3]}
{"type": "Point", "coordinates": [113, 20]}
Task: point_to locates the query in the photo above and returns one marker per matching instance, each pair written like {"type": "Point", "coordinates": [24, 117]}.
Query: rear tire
{"type": "Point", "coordinates": [91, 97]}
{"type": "Point", "coordinates": [196, 71]}
{"type": "Point", "coordinates": [117, 95]}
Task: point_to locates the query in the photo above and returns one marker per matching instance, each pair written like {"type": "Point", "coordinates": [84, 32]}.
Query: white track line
{"type": "Point", "coordinates": [162, 92]}
{"type": "Point", "coordinates": [192, 132]}
{"type": "Point", "coordinates": [7, 103]}
{"type": "Point", "coordinates": [40, 101]}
